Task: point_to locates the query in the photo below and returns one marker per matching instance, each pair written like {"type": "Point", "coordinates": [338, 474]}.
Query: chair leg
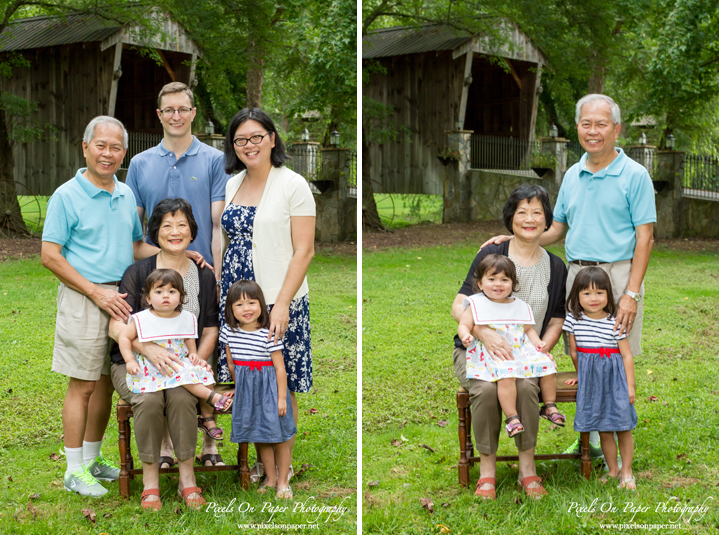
{"type": "Point", "coordinates": [244, 467]}
{"type": "Point", "coordinates": [124, 479]}
{"type": "Point", "coordinates": [586, 461]}
{"type": "Point", "coordinates": [463, 467]}
{"type": "Point", "coordinates": [468, 422]}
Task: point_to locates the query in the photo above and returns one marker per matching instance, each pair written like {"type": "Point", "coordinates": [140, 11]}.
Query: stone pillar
{"type": "Point", "coordinates": [643, 154]}
{"type": "Point", "coordinates": [669, 183]}
{"type": "Point", "coordinates": [557, 147]}
{"type": "Point", "coordinates": [456, 191]}
{"type": "Point", "coordinates": [304, 158]}
{"type": "Point", "coordinates": [332, 223]}
{"type": "Point", "coordinates": [216, 141]}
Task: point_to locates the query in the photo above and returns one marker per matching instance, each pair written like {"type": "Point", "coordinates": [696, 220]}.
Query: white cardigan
{"type": "Point", "coordinates": [286, 194]}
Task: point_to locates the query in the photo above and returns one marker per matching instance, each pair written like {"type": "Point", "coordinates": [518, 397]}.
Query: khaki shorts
{"type": "Point", "coordinates": [81, 341]}
{"type": "Point", "coordinates": [619, 274]}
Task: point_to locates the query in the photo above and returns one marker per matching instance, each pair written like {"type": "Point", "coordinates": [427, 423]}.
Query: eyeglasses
{"type": "Point", "coordinates": [169, 112]}
{"type": "Point", "coordinates": [256, 139]}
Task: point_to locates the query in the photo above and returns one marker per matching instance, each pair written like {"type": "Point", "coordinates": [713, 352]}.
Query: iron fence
{"type": "Point", "coordinates": [139, 142]}
{"type": "Point", "coordinates": [701, 177]}
{"type": "Point", "coordinates": [503, 153]}
{"type": "Point", "coordinates": [574, 153]}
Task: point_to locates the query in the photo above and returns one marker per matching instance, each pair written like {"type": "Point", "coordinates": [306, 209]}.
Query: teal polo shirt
{"type": "Point", "coordinates": [603, 209]}
{"type": "Point", "coordinates": [96, 228]}
{"type": "Point", "coordinates": [198, 176]}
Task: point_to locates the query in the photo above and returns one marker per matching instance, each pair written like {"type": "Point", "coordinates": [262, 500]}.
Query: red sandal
{"type": "Point", "coordinates": [155, 505]}
{"type": "Point", "coordinates": [486, 494]}
{"type": "Point", "coordinates": [535, 493]}
{"type": "Point", "coordinates": [194, 503]}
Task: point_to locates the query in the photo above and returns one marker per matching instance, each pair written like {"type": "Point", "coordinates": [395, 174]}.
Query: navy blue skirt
{"type": "Point", "coordinates": [603, 394]}
{"type": "Point", "coordinates": [255, 417]}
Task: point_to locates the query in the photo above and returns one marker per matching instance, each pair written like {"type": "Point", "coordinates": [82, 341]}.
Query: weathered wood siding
{"type": "Point", "coordinates": [71, 85]}
{"type": "Point", "coordinates": [425, 91]}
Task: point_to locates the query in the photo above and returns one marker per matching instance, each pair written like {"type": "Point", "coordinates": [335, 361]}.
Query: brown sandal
{"type": "Point", "coordinates": [194, 503]}
{"type": "Point", "coordinates": [215, 433]}
{"type": "Point", "coordinates": [535, 493]}
{"type": "Point", "coordinates": [486, 494]}
{"type": "Point", "coordinates": [155, 505]}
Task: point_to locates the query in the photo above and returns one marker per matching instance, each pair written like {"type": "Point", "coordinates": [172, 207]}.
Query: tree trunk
{"type": "Point", "coordinates": [11, 222]}
{"type": "Point", "coordinates": [370, 216]}
{"type": "Point", "coordinates": [255, 75]}
{"type": "Point", "coordinates": [596, 78]}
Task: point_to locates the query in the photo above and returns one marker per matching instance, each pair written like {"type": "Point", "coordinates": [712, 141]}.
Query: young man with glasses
{"type": "Point", "coordinates": [182, 166]}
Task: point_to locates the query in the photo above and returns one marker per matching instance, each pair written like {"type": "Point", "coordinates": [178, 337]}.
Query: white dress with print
{"type": "Point", "coordinates": [508, 319]}
{"type": "Point", "coordinates": [169, 333]}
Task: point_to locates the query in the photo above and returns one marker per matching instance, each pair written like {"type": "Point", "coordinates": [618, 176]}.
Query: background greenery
{"type": "Point", "coordinates": [409, 390]}
{"type": "Point", "coordinates": [32, 499]}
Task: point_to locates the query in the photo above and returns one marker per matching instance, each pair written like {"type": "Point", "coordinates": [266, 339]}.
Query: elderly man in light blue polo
{"type": "Point", "coordinates": [92, 234]}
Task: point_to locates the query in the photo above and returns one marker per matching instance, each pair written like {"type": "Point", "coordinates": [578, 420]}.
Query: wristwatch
{"type": "Point", "coordinates": [633, 295]}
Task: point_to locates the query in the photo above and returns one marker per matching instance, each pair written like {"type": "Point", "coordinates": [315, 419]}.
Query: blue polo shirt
{"type": "Point", "coordinates": [603, 209]}
{"type": "Point", "coordinates": [198, 177]}
{"type": "Point", "coordinates": [96, 228]}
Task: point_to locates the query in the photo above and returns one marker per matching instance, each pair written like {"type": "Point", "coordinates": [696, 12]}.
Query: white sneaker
{"type": "Point", "coordinates": [103, 470]}
{"type": "Point", "coordinates": [82, 482]}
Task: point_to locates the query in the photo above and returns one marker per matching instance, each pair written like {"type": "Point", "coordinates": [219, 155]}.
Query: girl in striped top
{"type": "Point", "coordinates": [605, 370]}
{"type": "Point", "coordinates": [261, 413]}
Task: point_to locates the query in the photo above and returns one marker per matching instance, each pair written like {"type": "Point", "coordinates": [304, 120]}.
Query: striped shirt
{"type": "Point", "coordinates": [249, 345]}
{"type": "Point", "coordinates": [593, 333]}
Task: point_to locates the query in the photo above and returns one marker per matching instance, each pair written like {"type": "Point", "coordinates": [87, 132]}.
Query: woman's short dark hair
{"type": "Point", "coordinates": [528, 192]}
{"type": "Point", "coordinates": [163, 277]}
{"type": "Point", "coordinates": [248, 290]}
{"type": "Point", "coordinates": [232, 163]}
{"type": "Point", "coordinates": [496, 263]}
{"type": "Point", "coordinates": [590, 277]}
{"type": "Point", "coordinates": [170, 206]}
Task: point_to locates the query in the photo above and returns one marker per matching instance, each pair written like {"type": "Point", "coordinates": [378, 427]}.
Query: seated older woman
{"type": "Point", "coordinates": [542, 277]}
{"type": "Point", "coordinates": [173, 227]}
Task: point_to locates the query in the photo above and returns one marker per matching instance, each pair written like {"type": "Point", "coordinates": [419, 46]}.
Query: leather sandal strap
{"type": "Point", "coordinates": [531, 479]}
{"type": "Point", "coordinates": [150, 492]}
{"type": "Point", "coordinates": [550, 405]}
{"type": "Point", "coordinates": [190, 490]}
{"type": "Point", "coordinates": [483, 480]}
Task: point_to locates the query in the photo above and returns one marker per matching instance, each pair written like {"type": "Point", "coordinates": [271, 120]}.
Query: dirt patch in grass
{"type": "Point", "coordinates": [680, 482]}
{"type": "Point", "coordinates": [19, 248]}
{"type": "Point", "coordinates": [433, 235]}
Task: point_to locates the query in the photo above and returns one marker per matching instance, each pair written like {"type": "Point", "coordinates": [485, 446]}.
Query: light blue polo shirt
{"type": "Point", "coordinates": [603, 209]}
{"type": "Point", "coordinates": [96, 228]}
{"type": "Point", "coordinates": [198, 177]}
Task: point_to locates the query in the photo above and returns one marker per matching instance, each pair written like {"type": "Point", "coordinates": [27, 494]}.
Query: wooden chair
{"type": "Point", "coordinates": [565, 394]}
{"type": "Point", "coordinates": [127, 470]}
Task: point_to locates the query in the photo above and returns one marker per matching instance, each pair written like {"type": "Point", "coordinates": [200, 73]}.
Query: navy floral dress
{"type": "Point", "coordinates": [237, 221]}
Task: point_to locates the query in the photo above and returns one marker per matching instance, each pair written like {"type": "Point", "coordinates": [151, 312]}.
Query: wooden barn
{"type": "Point", "coordinates": [82, 66]}
{"type": "Point", "coordinates": [438, 79]}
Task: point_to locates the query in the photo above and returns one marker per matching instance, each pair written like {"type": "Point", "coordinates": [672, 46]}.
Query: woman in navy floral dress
{"type": "Point", "coordinates": [268, 236]}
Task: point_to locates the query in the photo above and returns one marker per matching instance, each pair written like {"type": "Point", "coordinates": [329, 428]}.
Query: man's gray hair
{"type": "Point", "coordinates": [105, 119]}
{"type": "Point", "coordinates": [615, 114]}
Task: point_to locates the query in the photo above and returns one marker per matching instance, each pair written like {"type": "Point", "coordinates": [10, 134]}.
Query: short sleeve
{"type": "Point", "coordinates": [223, 334]}
{"type": "Point", "coordinates": [302, 202]}
{"type": "Point", "coordinates": [271, 347]}
{"type": "Point", "coordinates": [57, 224]}
{"type": "Point", "coordinates": [569, 323]}
{"type": "Point", "coordinates": [131, 182]}
{"type": "Point", "coordinates": [642, 204]}
{"type": "Point", "coordinates": [559, 213]}
{"type": "Point", "coordinates": [136, 228]}
{"type": "Point", "coordinates": [218, 179]}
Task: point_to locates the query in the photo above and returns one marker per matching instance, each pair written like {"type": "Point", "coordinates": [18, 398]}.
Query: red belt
{"type": "Point", "coordinates": [253, 364]}
{"type": "Point", "coordinates": [603, 351]}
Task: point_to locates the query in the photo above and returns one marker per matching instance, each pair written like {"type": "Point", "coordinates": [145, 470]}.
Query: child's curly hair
{"type": "Point", "coordinates": [590, 277]}
{"type": "Point", "coordinates": [248, 290]}
{"type": "Point", "coordinates": [496, 264]}
{"type": "Point", "coordinates": [161, 277]}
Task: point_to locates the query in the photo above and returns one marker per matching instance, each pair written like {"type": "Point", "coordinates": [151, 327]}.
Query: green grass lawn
{"type": "Point", "coordinates": [32, 498]}
{"type": "Point", "coordinates": [398, 210]}
{"type": "Point", "coordinates": [409, 387]}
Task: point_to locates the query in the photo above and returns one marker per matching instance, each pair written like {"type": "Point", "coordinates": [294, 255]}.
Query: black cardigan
{"type": "Point", "coordinates": [133, 281]}
{"type": "Point", "coordinates": [556, 288]}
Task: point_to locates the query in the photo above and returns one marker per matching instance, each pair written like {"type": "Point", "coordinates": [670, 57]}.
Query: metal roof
{"type": "Point", "coordinates": [398, 41]}
{"type": "Point", "coordinates": [38, 32]}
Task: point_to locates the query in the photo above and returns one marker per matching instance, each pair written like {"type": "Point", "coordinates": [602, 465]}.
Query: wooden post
{"type": "Point", "coordinates": [462, 401]}
{"type": "Point", "coordinates": [116, 73]}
